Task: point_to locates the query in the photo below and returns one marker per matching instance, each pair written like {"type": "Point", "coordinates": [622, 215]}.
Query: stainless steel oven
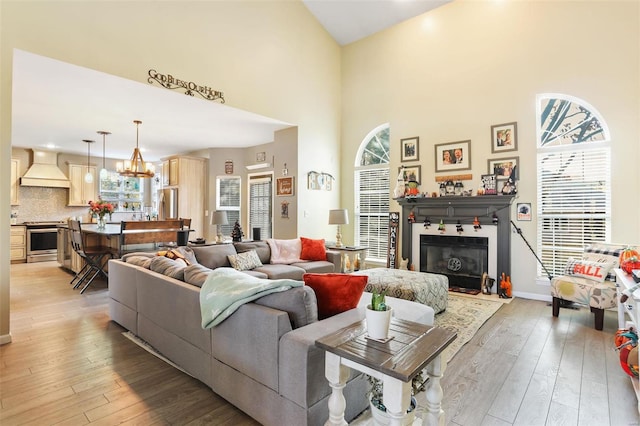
{"type": "Point", "coordinates": [42, 241]}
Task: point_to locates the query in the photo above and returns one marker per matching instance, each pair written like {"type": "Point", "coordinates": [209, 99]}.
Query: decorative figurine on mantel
{"type": "Point", "coordinates": [236, 233]}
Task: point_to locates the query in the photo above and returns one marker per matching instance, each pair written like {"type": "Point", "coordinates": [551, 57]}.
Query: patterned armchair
{"type": "Point", "coordinates": [589, 280]}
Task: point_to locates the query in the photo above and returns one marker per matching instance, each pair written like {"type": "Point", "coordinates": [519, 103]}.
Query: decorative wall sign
{"type": "Point", "coordinates": [454, 177]}
{"type": "Point", "coordinates": [228, 167]}
{"type": "Point", "coordinates": [504, 137]}
{"type": "Point", "coordinates": [170, 82]}
{"type": "Point", "coordinates": [524, 211]}
{"type": "Point", "coordinates": [284, 186]}
{"type": "Point", "coordinates": [392, 253]}
{"type": "Point", "coordinates": [453, 156]}
{"type": "Point", "coordinates": [489, 182]}
{"type": "Point", "coordinates": [409, 149]}
{"type": "Point", "coordinates": [284, 210]}
{"type": "Point", "coordinates": [261, 157]}
{"type": "Point", "coordinates": [319, 181]}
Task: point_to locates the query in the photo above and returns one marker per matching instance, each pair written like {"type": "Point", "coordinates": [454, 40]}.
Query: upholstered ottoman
{"type": "Point", "coordinates": [429, 289]}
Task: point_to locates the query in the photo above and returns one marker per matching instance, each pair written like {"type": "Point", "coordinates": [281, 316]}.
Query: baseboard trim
{"type": "Point", "coordinates": [533, 296]}
{"type": "Point", "coordinates": [5, 338]}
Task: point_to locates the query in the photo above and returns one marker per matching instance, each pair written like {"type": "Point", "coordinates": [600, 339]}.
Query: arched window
{"type": "Point", "coordinates": [372, 193]}
{"type": "Point", "coordinates": [574, 179]}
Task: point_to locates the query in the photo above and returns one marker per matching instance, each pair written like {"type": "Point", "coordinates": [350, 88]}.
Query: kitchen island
{"type": "Point", "coordinates": [120, 241]}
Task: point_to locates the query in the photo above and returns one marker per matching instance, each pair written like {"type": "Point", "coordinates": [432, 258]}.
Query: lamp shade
{"type": "Point", "coordinates": [338, 217]}
{"type": "Point", "coordinates": [219, 218]}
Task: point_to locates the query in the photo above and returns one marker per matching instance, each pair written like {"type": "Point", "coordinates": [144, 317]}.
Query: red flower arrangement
{"type": "Point", "coordinates": [100, 208]}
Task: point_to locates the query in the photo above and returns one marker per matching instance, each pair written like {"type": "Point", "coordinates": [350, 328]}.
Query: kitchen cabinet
{"type": "Point", "coordinates": [18, 244]}
{"type": "Point", "coordinates": [188, 174]}
{"type": "Point", "coordinates": [15, 177]}
{"type": "Point", "coordinates": [81, 192]}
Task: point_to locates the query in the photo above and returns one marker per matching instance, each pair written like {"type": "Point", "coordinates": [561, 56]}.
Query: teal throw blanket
{"type": "Point", "coordinates": [226, 289]}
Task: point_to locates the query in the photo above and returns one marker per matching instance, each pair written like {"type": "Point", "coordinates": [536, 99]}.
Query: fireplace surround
{"type": "Point", "coordinates": [491, 211]}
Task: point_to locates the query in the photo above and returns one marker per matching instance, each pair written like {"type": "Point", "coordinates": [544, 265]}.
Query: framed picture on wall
{"type": "Point", "coordinates": [410, 172]}
{"type": "Point", "coordinates": [504, 168]}
{"type": "Point", "coordinates": [453, 156]}
{"type": "Point", "coordinates": [409, 149]}
{"type": "Point", "coordinates": [524, 211]}
{"type": "Point", "coordinates": [284, 186]}
{"type": "Point", "coordinates": [504, 137]}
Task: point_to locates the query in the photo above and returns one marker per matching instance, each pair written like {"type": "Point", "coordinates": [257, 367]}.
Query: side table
{"type": "Point", "coordinates": [412, 347]}
{"type": "Point", "coordinates": [350, 252]}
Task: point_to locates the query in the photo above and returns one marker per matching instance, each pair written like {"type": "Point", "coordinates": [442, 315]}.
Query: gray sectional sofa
{"type": "Point", "coordinates": [262, 359]}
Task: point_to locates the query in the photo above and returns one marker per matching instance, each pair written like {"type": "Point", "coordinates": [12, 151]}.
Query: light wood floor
{"type": "Point", "coordinates": [69, 364]}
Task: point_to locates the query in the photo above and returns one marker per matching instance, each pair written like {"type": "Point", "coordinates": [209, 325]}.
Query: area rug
{"type": "Point", "coordinates": [464, 315]}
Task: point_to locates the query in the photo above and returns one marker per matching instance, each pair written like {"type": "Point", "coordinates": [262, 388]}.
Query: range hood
{"type": "Point", "coordinates": [44, 171]}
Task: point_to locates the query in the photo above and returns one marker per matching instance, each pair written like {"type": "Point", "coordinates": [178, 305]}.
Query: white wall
{"type": "Point", "coordinates": [269, 57]}
{"type": "Point", "coordinates": [450, 74]}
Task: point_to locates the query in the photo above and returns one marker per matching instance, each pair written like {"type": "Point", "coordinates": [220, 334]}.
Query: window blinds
{"type": "Point", "coordinates": [574, 203]}
{"type": "Point", "coordinates": [372, 211]}
{"type": "Point", "coordinates": [260, 205]}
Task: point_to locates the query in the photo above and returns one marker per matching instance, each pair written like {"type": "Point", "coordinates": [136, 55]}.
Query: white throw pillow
{"type": "Point", "coordinates": [285, 251]}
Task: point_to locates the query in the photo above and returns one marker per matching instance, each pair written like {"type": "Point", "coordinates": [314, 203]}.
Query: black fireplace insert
{"type": "Point", "coordinates": [462, 259]}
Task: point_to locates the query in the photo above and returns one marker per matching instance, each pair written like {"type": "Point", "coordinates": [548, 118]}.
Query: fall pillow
{"type": "Point", "coordinates": [336, 293]}
{"type": "Point", "coordinates": [245, 261]}
{"type": "Point", "coordinates": [313, 249]}
{"type": "Point", "coordinates": [596, 271]}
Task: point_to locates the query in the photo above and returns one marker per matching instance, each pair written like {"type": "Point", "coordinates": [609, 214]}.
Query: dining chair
{"type": "Point", "coordinates": [95, 258]}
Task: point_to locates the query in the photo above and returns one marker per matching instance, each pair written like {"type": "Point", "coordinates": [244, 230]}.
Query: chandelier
{"type": "Point", "coordinates": [136, 166]}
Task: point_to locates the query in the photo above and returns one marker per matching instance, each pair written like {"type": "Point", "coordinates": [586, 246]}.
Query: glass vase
{"type": "Point", "coordinates": [102, 222]}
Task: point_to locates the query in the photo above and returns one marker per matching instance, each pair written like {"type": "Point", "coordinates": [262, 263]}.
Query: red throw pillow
{"type": "Point", "coordinates": [313, 249]}
{"type": "Point", "coordinates": [336, 292]}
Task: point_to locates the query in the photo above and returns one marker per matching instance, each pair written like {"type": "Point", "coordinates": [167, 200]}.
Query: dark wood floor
{"type": "Point", "coordinates": [69, 364]}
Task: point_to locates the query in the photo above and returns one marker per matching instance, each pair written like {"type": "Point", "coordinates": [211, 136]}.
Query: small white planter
{"type": "Point", "coordinates": [381, 418]}
{"type": "Point", "coordinates": [378, 323]}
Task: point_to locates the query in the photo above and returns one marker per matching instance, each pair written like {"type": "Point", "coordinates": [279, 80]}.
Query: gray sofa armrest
{"type": "Point", "coordinates": [335, 257]}
{"type": "Point", "coordinates": [248, 342]}
{"type": "Point", "coordinates": [301, 364]}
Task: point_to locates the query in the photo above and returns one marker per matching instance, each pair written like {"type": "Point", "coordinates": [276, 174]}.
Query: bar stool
{"type": "Point", "coordinates": [95, 258]}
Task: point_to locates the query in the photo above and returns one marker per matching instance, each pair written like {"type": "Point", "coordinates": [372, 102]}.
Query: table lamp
{"type": "Point", "coordinates": [219, 218]}
{"type": "Point", "coordinates": [338, 217]}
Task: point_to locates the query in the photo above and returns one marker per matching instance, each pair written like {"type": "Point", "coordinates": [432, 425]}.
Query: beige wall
{"type": "Point", "coordinates": [269, 57]}
{"type": "Point", "coordinates": [452, 73]}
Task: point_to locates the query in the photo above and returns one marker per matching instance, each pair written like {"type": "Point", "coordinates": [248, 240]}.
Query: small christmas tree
{"type": "Point", "coordinates": [237, 234]}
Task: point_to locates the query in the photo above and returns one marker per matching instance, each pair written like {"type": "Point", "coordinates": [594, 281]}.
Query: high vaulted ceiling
{"type": "Point", "coordinates": [352, 20]}
{"type": "Point", "coordinates": [54, 103]}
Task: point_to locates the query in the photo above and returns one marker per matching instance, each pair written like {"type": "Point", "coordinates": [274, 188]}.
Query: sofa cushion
{"type": "Point", "coordinates": [313, 249]}
{"type": "Point", "coordinates": [299, 302]}
{"type": "Point", "coordinates": [169, 267]}
{"type": "Point", "coordinates": [276, 272]}
{"type": "Point", "coordinates": [196, 274]}
{"type": "Point", "coordinates": [316, 266]}
{"type": "Point", "coordinates": [245, 261]}
{"type": "Point", "coordinates": [336, 293]}
{"type": "Point", "coordinates": [261, 247]}
{"type": "Point", "coordinates": [214, 256]}
{"type": "Point", "coordinates": [285, 251]}
{"type": "Point", "coordinates": [144, 261]}
{"type": "Point", "coordinates": [591, 269]}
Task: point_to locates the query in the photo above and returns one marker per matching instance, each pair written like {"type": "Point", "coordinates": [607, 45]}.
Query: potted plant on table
{"type": "Point", "coordinates": [378, 316]}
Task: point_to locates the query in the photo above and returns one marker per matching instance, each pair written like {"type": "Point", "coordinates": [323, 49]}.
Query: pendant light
{"type": "Point", "coordinates": [136, 166]}
{"type": "Point", "coordinates": [88, 177]}
{"type": "Point", "coordinates": [103, 171]}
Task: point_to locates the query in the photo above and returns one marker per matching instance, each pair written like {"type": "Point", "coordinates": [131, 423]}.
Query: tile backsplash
{"type": "Point", "coordinates": [40, 204]}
